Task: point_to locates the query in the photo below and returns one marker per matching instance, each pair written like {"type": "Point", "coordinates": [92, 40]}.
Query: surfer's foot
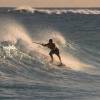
{"type": "Point", "coordinates": [51, 61]}
{"type": "Point", "coordinates": [61, 63]}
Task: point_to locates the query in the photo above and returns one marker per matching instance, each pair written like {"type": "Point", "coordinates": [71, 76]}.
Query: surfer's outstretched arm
{"type": "Point", "coordinates": [44, 44]}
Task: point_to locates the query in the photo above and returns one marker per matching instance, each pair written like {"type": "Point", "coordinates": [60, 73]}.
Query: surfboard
{"type": "Point", "coordinates": [61, 64]}
{"type": "Point", "coordinates": [57, 64]}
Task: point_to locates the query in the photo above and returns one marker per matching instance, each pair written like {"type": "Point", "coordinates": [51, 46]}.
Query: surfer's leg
{"type": "Point", "coordinates": [57, 53]}
{"type": "Point", "coordinates": [51, 55]}
{"type": "Point", "coordinates": [59, 58]}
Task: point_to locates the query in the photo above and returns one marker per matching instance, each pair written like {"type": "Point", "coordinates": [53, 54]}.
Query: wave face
{"type": "Point", "coordinates": [25, 71]}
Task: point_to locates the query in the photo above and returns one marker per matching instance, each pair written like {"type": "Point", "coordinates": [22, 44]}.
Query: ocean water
{"type": "Point", "coordinates": [25, 71]}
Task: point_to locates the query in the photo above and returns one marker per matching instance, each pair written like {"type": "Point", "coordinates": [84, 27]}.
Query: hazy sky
{"type": "Point", "coordinates": [51, 3]}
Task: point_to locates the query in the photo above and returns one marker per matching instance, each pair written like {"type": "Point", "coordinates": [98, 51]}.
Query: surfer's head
{"type": "Point", "coordinates": [50, 40]}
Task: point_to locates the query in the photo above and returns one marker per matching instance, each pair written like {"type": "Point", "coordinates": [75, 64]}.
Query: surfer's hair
{"type": "Point", "coordinates": [50, 40]}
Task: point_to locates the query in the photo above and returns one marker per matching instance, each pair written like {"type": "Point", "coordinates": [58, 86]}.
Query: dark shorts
{"type": "Point", "coordinates": [56, 51]}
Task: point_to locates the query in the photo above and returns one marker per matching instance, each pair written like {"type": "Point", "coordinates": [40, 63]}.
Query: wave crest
{"type": "Point", "coordinates": [57, 11]}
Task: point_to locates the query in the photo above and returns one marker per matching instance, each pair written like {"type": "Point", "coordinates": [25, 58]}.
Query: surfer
{"type": "Point", "coordinates": [54, 50]}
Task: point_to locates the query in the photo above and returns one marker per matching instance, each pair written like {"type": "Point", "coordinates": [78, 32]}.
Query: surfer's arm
{"type": "Point", "coordinates": [45, 44]}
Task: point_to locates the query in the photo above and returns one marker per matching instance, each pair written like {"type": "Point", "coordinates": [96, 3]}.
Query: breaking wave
{"type": "Point", "coordinates": [58, 11]}
{"type": "Point", "coordinates": [16, 33]}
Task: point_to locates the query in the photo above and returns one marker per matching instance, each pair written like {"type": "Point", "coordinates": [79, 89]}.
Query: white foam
{"type": "Point", "coordinates": [58, 11]}
{"type": "Point", "coordinates": [26, 8]}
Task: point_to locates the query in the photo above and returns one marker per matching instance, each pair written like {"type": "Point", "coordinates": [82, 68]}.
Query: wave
{"type": "Point", "coordinates": [64, 11]}
{"type": "Point", "coordinates": [58, 11]}
{"type": "Point", "coordinates": [18, 34]}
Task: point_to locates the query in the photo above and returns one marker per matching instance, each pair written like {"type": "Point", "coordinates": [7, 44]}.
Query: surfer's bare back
{"type": "Point", "coordinates": [54, 50]}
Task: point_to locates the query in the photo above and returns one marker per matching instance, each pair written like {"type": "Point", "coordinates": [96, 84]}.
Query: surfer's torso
{"type": "Point", "coordinates": [51, 46]}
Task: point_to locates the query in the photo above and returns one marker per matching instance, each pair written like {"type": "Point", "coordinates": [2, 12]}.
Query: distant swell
{"type": "Point", "coordinates": [58, 11]}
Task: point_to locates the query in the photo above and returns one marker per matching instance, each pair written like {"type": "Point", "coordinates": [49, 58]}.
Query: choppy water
{"type": "Point", "coordinates": [25, 72]}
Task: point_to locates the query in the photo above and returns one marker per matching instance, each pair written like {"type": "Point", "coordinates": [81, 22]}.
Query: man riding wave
{"type": "Point", "coordinates": [54, 50]}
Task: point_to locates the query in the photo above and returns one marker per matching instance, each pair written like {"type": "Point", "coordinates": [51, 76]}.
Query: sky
{"type": "Point", "coordinates": [50, 3]}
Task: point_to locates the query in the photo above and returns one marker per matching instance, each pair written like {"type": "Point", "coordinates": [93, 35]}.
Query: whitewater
{"type": "Point", "coordinates": [25, 71]}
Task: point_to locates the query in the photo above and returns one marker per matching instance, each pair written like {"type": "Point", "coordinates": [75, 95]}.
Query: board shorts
{"type": "Point", "coordinates": [55, 51]}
